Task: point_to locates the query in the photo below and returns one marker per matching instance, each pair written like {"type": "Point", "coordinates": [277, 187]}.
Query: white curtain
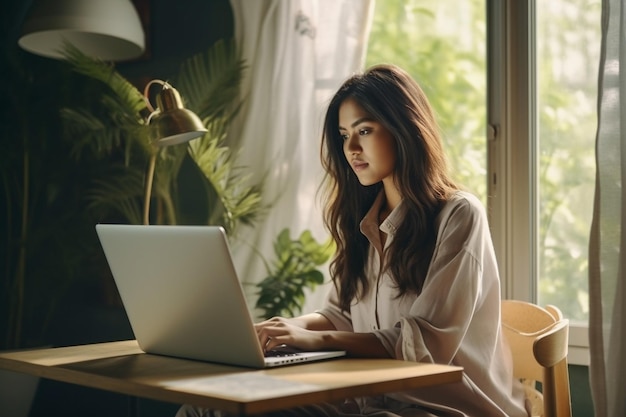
{"type": "Point", "coordinates": [297, 52]}
{"type": "Point", "coordinates": [607, 253]}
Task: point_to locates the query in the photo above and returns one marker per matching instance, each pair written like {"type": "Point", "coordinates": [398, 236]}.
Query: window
{"type": "Point", "coordinates": [442, 45]}
{"type": "Point", "coordinates": [567, 51]}
{"type": "Point", "coordinates": [514, 87]}
{"type": "Point", "coordinates": [542, 77]}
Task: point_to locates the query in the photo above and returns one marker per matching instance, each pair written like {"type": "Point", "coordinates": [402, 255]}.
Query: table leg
{"type": "Point", "coordinates": [133, 406]}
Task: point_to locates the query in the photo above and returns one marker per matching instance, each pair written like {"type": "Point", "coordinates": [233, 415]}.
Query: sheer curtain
{"type": "Point", "coordinates": [297, 52]}
{"type": "Point", "coordinates": [607, 252]}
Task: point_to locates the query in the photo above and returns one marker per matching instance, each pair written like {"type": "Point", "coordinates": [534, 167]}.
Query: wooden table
{"type": "Point", "coordinates": [122, 367]}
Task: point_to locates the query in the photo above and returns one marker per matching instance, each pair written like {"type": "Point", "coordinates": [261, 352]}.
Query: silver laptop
{"type": "Point", "coordinates": [182, 295]}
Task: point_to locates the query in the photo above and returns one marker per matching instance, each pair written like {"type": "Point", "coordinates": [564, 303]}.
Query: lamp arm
{"type": "Point", "coordinates": [146, 93]}
{"type": "Point", "coordinates": [148, 187]}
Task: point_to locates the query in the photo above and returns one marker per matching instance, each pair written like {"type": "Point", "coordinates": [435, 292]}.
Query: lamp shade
{"type": "Point", "coordinates": [172, 123]}
{"type": "Point", "coordinates": [109, 30]}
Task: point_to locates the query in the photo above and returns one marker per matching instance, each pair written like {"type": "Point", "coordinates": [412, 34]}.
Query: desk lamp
{"type": "Point", "coordinates": [171, 124]}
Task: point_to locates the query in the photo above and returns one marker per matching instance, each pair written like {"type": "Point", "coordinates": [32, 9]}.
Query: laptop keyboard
{"type": "Point", "coordinates": [281, 352]}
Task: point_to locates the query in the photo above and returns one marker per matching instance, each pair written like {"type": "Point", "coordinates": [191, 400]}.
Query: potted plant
{"type": "Point", "coordinates": [294, 269]}
{"type": "Point", "coordinates": [118, 132]}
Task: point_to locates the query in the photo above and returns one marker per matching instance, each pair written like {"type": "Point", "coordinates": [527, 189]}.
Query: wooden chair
{"type": "Point", "coordinates": [538, 338]}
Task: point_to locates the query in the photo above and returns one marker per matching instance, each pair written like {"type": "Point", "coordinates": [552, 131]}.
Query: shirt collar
{"type": "Point", "coordinates": [369, 224]}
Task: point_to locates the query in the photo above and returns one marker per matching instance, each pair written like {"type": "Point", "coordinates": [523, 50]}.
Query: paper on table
{"type": "Point", "coordinates": [245, 385]}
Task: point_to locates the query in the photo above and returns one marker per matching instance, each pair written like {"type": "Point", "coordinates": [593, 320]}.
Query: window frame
{"type": "Point", "coordinates": [511, 144]}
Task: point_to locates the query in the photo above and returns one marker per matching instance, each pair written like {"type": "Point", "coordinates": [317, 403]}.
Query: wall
{"type": "Point", "coordinates": [582, 405]}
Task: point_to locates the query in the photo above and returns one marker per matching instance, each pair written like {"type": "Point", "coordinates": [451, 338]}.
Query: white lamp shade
{"type": "Point", "coordinates": [109, 30]}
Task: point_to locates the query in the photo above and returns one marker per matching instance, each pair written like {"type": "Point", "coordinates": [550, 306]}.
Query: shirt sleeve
{"type": "Point", "coordinates": [332, 311]}
{"type": "Point", "coordinates": [441, 316]}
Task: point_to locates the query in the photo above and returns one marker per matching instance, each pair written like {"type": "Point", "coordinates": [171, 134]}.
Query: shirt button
{"type": "Point", "coordinates": [374, 327]}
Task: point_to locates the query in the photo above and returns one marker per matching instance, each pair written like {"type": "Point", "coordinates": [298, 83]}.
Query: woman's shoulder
{"type": "Point", "coordinates": [463, 207]}
{"type": "Point", "coordinates": [463, 218]}
{"type": "Point", "coordinates": [464, 200]}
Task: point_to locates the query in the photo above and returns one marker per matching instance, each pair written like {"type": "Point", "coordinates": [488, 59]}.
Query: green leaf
{"type": "Point", "coordinates": [131, 99]}
{"type": "Point", "coordinates": [210, 81]}
{"type": "Point", "coordinates": [293, 270]}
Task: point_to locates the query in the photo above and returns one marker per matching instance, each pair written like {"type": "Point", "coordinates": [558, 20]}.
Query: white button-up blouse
{"type": "Point", "coordinates": [454, 320]}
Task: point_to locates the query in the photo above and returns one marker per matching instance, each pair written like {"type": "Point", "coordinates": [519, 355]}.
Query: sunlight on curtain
{"type": "Point", "coordinates": [607, 251]}
{"type": "Point", "coordinates": [297, 54]}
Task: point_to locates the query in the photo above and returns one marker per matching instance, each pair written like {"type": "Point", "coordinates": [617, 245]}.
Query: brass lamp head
{"type": "Point", "coordinates": [172, 122]}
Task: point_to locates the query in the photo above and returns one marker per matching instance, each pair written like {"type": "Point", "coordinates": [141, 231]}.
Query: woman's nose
{"type": "Point", "coordinates": [351, 145]}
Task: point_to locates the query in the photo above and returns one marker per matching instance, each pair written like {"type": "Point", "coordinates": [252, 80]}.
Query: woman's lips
{"type": "Point", "coordinates": [358, 165]}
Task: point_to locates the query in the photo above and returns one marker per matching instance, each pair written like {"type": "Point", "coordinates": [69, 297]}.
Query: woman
{"type": "Point", "coordinates": [415, 274]}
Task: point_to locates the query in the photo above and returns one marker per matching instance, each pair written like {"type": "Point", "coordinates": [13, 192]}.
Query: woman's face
{"type": "Point", "coordinates": [368, 146]}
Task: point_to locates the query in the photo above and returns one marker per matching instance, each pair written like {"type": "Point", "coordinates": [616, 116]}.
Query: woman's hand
{"type": "Point", "coordinates": [293, 332]}
{"type": "Point", "coordinates": [316, 332]}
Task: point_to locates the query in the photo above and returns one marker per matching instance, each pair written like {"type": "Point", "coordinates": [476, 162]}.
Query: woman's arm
{"type": "Point", "coordinates": [315, 332]}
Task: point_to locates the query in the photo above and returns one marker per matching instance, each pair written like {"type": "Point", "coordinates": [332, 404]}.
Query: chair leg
{"type": "Point", "coordinates": [564, 400]}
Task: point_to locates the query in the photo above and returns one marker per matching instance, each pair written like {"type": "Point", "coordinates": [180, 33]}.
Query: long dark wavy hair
{"type": "Point", "coordinates": [391, 97]}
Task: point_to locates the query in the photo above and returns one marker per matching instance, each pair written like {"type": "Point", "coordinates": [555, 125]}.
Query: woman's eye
{"type": "Point", "coordinates": [363, 132]}
{"type": "Point", "coordinates": [343, 136]}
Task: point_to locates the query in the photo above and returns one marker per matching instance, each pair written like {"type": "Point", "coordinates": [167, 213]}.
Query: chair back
{"type": "Point", "coordinates": [538, 338]}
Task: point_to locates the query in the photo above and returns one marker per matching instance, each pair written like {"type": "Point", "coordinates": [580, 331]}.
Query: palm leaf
{"type": "Point", "coordinates": [118, 191]}
{"type": "Point", "coordinates": [89, 132]}
{"type": "Point", "coordinates": [119, 121]}
{"type": "Point", "coordinates": [240, 202]}
{"type": "Point", "coordinates": [210, 81]}
{"type": "Point", "coordinates": [131, 99]}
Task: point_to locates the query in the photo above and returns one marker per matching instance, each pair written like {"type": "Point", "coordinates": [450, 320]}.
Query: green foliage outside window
{"type": "Point", "coordinates": [450, 68]}
{"type": "Point", "coordinates": [568, 48]}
